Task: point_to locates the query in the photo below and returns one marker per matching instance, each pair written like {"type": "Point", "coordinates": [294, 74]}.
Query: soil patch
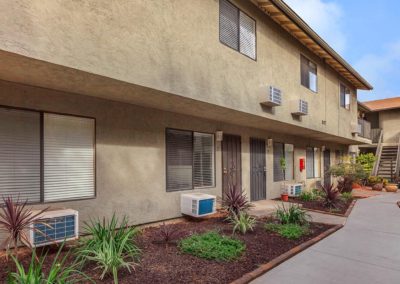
{"type": "Point", "coordinates": [341, 209]}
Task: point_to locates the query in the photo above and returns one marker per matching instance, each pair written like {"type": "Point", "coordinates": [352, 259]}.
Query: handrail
{"type": "Point", "coordinates": [396, 175]}
{"type": "Point", "coordinates": [378, 155]}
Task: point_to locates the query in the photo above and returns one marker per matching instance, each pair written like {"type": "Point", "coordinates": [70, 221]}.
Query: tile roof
{"type": "Point", "coordinates": [384, 104]}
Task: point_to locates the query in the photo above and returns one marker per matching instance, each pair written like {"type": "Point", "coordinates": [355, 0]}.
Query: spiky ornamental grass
{"type": "Point", "coordinates": [235, 200]}
{"type": "Point", "coordinates": [243, 222]}
{"type": "Point", "coordinates": [111, 247]}
{"type": "Point", "coordinates": [15, 220]}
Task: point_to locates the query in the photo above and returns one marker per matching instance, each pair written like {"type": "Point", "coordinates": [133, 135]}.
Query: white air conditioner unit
{"type": "Point", "coordinates": [294, 189]}
{"type": "Point", "coordinates": [198, 204]}
{"type": "Point", "coordinates": [54, 227]}
{"type": "Point", "coordinates": [302, 108]}
{"type": "Point", "coordinates": [274, 98]}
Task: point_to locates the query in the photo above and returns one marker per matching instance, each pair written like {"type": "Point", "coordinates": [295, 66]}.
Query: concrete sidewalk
{"type": "Point", "coordinates": [366, 250]}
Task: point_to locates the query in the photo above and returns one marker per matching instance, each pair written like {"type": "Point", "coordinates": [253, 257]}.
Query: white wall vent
{"type": "Point", "coordinates": [302, 108]}
{"type": "Point", "coordinates": [294, 189]}
{"type": "Point", "coordinates": [198, 204]}
{"type": "Point", "coordinates": [274, 98]}
{"type": "Point", "coordinates": [54, 227]}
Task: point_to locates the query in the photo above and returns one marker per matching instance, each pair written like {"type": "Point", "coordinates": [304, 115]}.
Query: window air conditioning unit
{"type": "Point", "coordinates": [198, 204]}
{"type": "Point", "coordinates": [54, 227]}
{"type": "Point", "coordinates": [302, 108]}
{"type": "Point", "coordinates": [294, 189]}
{"type": "Point", "coordinates": [274, 98]}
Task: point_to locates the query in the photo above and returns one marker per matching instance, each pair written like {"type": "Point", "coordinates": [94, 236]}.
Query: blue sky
{"type": "Point", "coordinates": [365, 33]}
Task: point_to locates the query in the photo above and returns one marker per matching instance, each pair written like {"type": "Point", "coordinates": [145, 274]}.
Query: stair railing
{"type": "Point", "coordinates": [378, 155]}
{"type": "Point", "coordinates": [397, 172]}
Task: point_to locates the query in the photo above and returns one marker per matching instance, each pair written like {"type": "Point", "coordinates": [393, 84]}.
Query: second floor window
{"type": "Point", "coordinates": [236, 29]}
{"type": "Point", "coordinates": [309, 74]}
{"type": "Point", "coordinates": [344, 96]}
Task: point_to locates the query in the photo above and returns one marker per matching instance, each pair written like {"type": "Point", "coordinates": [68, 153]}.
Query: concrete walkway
{"type": "Point", "coordinates": [366, 250]}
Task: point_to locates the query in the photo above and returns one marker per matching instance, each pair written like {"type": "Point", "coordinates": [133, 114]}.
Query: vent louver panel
{"type": "Point", "coordinates": [228, 24]}
{"type": "Point", "coordinates": [54, 229]}
{"type": "Point", "coordinates": [302, 108]}
{"type": "Point", "coordinates": [247, 36]}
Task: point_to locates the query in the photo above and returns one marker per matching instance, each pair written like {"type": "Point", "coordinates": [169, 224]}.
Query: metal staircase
{"type": "Point", "coordinates": [388, 162]}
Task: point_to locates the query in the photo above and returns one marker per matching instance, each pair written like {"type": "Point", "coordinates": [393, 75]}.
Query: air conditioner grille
{"type": "Point", "coordinates": [303, 107]}
{"type": "Point", "coordinates": [54, 229]}
{"type": "Point", "coordinates": [275, 95]}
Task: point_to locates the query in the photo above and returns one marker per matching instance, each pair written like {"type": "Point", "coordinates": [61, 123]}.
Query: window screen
{"type": "Point", "coordinates": [236, 29]}
{"type": "Point", "coordinates": [308, 72]}
{"type": "Point", "coordinates": [289, 157]}
{"type": "Point", "coordinates": [20, 155]}
{"type": "Point", "coordinates": [203, 159]}
{"type": "Point", "coordinates": [310, 162]}
{"type": "Point", "coordinates": [179, 159]}
{"type": "Point", "coordinates": [68, 157]}
{"type": "Point", "coordinates": [278, 155]}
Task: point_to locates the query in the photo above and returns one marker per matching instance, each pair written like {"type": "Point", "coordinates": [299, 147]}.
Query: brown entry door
{"type": "Point", "coordinates": [258, 167]}
{"type": "Point", "coordinates": [231, 162]}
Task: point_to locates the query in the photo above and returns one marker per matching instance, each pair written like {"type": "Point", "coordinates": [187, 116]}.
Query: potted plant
{"type": "Point", "coordinates": [391, 187]}
{"type": "Point", "coordinates": [284, 193]}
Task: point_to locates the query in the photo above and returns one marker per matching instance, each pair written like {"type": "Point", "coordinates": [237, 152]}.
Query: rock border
{"type": "Point", "coordinates": [246, 278]}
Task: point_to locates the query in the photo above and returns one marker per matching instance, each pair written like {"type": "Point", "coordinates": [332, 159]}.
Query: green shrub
{"type": "Point", "coordinates": [289, 231]}
{"type": "Point", "coordinates": [58, 273]}
{"type": "Point", "coordinates": [307, 195]}
{"type": "Point", "coordinates": [242, 222]}
{"type": "Point", "coordinates": [366, 161]}
{"type": "Point", "coordinates": [293, 215]}
{"type": "Point", "coordinates": [212, 246]}
{"type": "Point", "coordinates": [111, 246]}
{"type": "Point", "coordinates": [347, 196]}
{"type": "Point", "coordinates": [347, 173]}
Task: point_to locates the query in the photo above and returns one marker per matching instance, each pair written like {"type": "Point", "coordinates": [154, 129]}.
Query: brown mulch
{"type": "Point", "coordinates": [166, 264]}
{"type": "Point", "coordinates": [342, 206]}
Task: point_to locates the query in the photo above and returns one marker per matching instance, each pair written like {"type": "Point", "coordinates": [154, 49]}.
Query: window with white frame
{"type": "Point", "coordinates": [345, 96]}
{"type": "Point", "coordinates": [309, 78]}
{"type": "Point", "coordinates": [313, 162]}
{"type": "Point", "coordinates": [236, 29]}
{"type": "Point", "coordinates": [190, 160]}
{"type": "Point", "coordinates": [46, 157]}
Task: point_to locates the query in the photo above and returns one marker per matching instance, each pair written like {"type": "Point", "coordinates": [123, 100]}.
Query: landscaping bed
{"type": "Point", "coordinates": [341, 207]}
{"type": "Point", "coordinates": [161, 263]}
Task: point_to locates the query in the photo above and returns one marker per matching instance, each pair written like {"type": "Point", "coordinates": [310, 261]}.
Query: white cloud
{"type": "Point", "coordinates": [325, 17]}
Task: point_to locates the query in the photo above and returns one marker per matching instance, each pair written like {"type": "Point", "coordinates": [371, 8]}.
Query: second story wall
{"type": "Point", "coordinates": [174, 46]}
{"type": "Point", "coordinates": [389, 121]}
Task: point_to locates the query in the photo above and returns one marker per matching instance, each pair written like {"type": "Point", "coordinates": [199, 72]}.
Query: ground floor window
{"type": "Point", "coordinates": [313, 162]}
{"type": "Point", "coordinates": [190, 160]}
{"type": "Point", "coordinates": [46, 157]}
{"type": "Point", "coordinates": [283, 152]}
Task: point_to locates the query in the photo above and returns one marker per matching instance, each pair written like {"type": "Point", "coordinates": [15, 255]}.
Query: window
{"type": "Point", "coordinates": [236, 29]}
{"type": "Point", "coordinates": [313, 162]}
{"type": "Point", "coordinates": [308, 74]}
{"type": "Point", "coordinates": [283, 151]}
{"type": "Point", "coordinates": [46, 157]}
{"type": "Point", "coordinates": [190, 160]}
{"type": "Point", "coordinates": [345, 96]}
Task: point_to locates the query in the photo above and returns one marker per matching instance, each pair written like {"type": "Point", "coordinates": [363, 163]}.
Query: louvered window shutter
{"type": "Point", "coordinates": [20, 155]}
{"type": "Point", "coordinates": [342, 95]}
{"type": "Point", "coordinates": [179, 147]}
{"type": "Point", "coordinates": [317, 162]}
{"type": "Point", "coordinates": [304, 72]}
{"type": "Point", "coordinates": [203, 159]}
{"type": "Point", "coordinates": [289, 157]}
{"type": "Point", "coordinates": [310, 162]}
{"type": "Point", "coordinates": [229, 24]}
{"type": "Point", "coordinates": [68, 157]}
{"type": "Point", "coordinates": [278, 154]}
{"type": "Point", "coordinates": [247, 35]}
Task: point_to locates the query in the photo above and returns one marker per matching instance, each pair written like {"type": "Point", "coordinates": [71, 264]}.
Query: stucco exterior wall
{"type": "Point", "coordinates": [130, 152]}
{"type": "Point", "coordinates": [173, 46]}
{"type": "Point", "coordinates": [389, 122]}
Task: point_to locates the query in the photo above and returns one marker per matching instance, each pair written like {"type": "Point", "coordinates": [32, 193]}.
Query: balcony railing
{"type": "Point", "coordinates": [364, 128]}
{"type": "Point", "coordinates": [375, 133]}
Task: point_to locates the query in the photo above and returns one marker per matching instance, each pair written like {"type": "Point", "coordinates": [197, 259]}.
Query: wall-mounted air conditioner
{"type": "Point", "coordinates": [302, 108]}
{"type": "Point", "coordinates": [54, 227]}
{"type": "Point", "coordinates": [274, 98]}
{"type": "Point", "coordinates": [198, 204]}
{"type": "Point", "coordinates": [294, 189]}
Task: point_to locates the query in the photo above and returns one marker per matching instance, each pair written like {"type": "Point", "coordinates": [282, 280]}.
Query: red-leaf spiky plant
{"type": "Point", "coordinates": [331, 196]}
{"type": "Point", "coordinates": [235, 200]}
{"type": "Point", "coordinates": [15, 219]}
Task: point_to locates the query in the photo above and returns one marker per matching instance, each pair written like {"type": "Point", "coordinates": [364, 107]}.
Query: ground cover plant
{"type": "Point", "coordinates": [289, 231]}
{"type": "Point", "coordinates": [111, 246]}
{"type": "Point", "coordinates": [347, 196]}
{"type": "Point", "coordinates": [242, 222]}
{"type": "Point", "coordinates": [212, 246]}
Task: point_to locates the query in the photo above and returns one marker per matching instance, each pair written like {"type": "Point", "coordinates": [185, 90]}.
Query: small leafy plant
{"type": "Point", "coordinates": [167, 234]}
{"type": "Point", "coordinates": [15, 219]}
{"type": "Point", "coordinates": [59, 272]}
{"type": "Point", "coordinates": [307, 195]}
{"type": "Point", "coordinates": [293, 215]}
{"type": "Point", "coordinates": [212, 246]}
{"type": "Point", "coordinates": [331, 199]}
{"type": "Point", "coordinates": [289, 231]}
{"type": "Point", "coordinates": [347, 173]}
{"type": "Point", "coordinates": [242, 222]}
{"type": "Point", "coordinates": [347, 196]}
{"type": "Point", "coordinates": [111, 246]}
{"type": "Point", "coordinates": [235, 200]}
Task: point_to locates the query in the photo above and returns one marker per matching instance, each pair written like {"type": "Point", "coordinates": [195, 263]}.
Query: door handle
{"type": "Point", "coordinates": [225, 171]}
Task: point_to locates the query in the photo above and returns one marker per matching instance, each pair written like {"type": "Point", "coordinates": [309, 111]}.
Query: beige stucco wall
{"type": "Point", "coordinates": [130, 152]}
{"type": "Point", "coordinates": [389, 121]}
{"type": "Point", "coordinates": [174, 46]}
